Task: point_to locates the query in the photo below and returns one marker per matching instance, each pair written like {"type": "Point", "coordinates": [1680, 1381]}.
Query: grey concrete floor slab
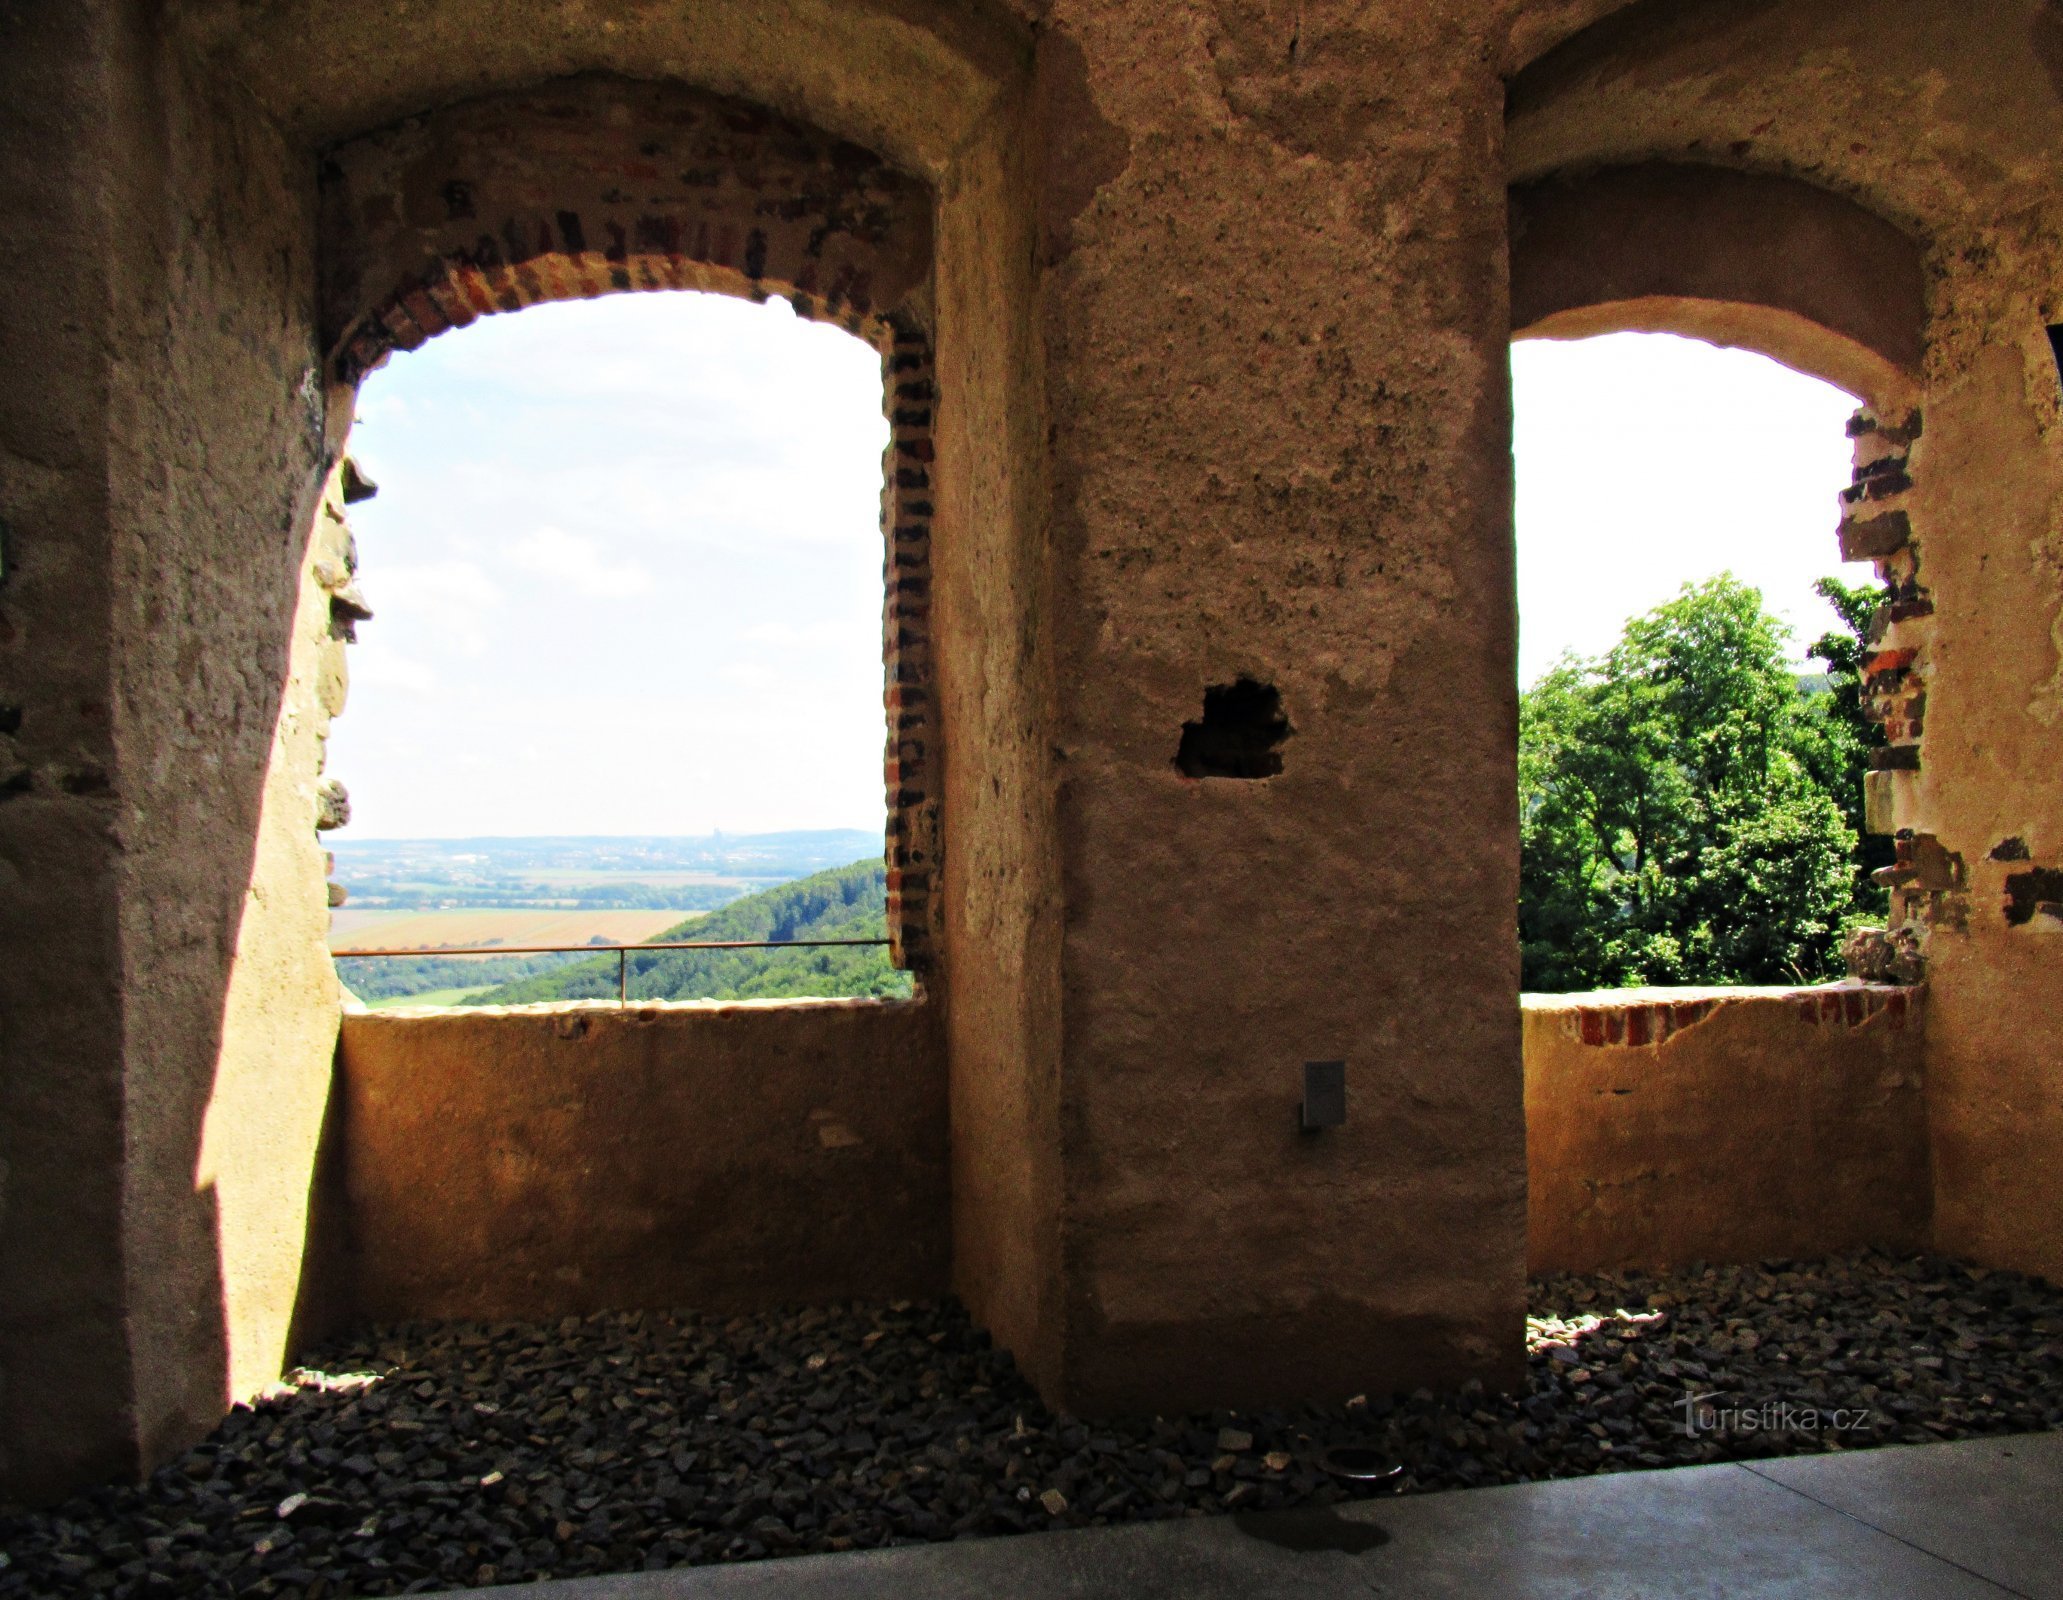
{"type": "Point", "coordinates": [1978, 1518]}
{"type": "Point", "coordinates": [1993, 1506]}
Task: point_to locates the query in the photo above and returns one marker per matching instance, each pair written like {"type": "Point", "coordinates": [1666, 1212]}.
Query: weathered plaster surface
{"type": "Point", "coordinates": [217, 461]}
{"type": "Point", "coordinates": [909, 79]}
{"type": "Point", "coordinates": [65, 1387]}
{"type": "Point", "coordinates": [1948, 122]}
{"type": "Point", "coordinates": [992, 616]}
{"type": "Point", "coordinates": [1668, 1126]}
{"type": "Point", "coordinates": [539, 1162]}
{"type": "Point", "coordinates": [1277, 387]}
{"type": "Point", "coordinates": [1994, 772]}
{"type": "Point", "coordinates": [1219, 297]}
{"type": "Point", "coordinates": [270, 1105]}
{"type": "Point", "coordinates": [1737, 258]}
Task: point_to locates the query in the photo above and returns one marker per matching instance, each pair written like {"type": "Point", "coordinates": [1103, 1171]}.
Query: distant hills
{"type": "Point", "coordinates": [849, 902]}
{"type": "Point", "coordinates": [605, 872]}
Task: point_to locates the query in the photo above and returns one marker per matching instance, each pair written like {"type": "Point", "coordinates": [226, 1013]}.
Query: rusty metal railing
{"type": "Point", "coordinates": [623, 952]}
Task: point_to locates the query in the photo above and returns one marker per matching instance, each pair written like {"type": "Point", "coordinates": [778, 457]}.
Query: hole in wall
{"type": "Point", "coordinates": [2056, 346]}
{"type": "Point", "coordinates": [2029, 893]}
{"type": "Point", "coordinates": [1239, 736]}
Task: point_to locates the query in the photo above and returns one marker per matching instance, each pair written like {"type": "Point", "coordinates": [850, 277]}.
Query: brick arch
{"type": "Point", "coordinates": [600, 185]}
{"type": "Point", "coordinates": [597, 185]}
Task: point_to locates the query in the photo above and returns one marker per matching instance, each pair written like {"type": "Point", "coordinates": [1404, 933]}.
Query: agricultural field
{"type": "Point", "coordinates": [432, 997]}
{"type": "Point", "coordinates": [430, 896]}
{"type": "Point", "coordinates": [435, 930]}
{"type": "Point", "coordinates": [596, 874]}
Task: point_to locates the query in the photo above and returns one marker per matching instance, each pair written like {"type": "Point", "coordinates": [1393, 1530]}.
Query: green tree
{"type": "Point", "coordinates": [1674, 823]}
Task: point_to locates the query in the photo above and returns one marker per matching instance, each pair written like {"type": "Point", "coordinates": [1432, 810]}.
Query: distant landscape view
{"type": "Point", "coordinates": [623, 677]}
{"type": "Point", "coordinates": [432, 895]}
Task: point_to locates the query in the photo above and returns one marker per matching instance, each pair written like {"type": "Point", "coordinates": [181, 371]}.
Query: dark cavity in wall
{"type": "Point", "coordinates": [2038, 891]}
{"type": "Point", "coordinates": [2056, 346]}
{"type": "Point", "coordinates": [1239, 736]}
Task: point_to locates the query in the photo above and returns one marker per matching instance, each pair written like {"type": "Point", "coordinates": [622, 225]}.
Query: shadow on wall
{"type": "Point", "coordinates": [266, 1132]}
{"type": "Point", "coordinates": [1762, 263]}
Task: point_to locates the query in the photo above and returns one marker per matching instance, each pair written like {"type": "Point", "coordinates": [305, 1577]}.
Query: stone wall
{"type": "Point", "coordinates": [1741, 258]}
{"type": "Point", "coordinates": [163, 459]}
{"type": "Point", "coordinates": [1273, 299]}
{"type": "Point", "coordinates": [1001, 910]}
{"type": "Point", "coordinates": [541, 1161]}
{"type": "Point", "coordinates": [1673, 1125]}
{"type": "Point", "coordinates": [171, 1009]}
{"type": "Point", "coordinates": [1218, 307]}
{"type": "Point", "coordinates": [1944, 123]}
{"type": "Point", "coordinates": [65, 1386]}
{"type": "Point", "coordinates": [548, 1161]}
{"type": "Point", "coordinates": [270, 1108]}
{"type": "Point", "coordinates": [217, 468]}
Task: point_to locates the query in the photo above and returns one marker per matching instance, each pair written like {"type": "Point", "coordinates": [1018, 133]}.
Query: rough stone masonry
{"type": "Point", "coordinates": [1215, 299]}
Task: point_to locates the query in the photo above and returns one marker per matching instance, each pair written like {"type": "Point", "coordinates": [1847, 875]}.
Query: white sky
{"type": "Point", "coordinates": [1646, 462]}
{"type": "Point", "coordinates": [626, 561]}
{"type": "Point", "coordinates": [625, 564]}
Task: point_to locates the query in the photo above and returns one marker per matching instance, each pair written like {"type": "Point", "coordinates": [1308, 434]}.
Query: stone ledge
{"type": "Point", "coordinates": [362, 1014]}
{"type": "Point", "coordinates": [1637, 1017]}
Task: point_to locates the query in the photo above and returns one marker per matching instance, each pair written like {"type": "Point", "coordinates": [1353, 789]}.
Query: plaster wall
{"type": "Point", "coordinates": [65, 1387]}
{"type": "Point", "coordinates": [1673, 1125]}
{"type": "Point", "coordinates": [216, 465]}
{"type": "Point", "coordinates": [546, 1161]}
{"type": "Point", "coordinates": [168, 462]}
{"type": "Point", "coordinates": [1947, 122]}
{"type": "Point", "coordinates": [992, 616]}
{"type": "Point", "coordinates": [269, 1112]}
{"type": "Point", "coordinates": [1223, 292]}
{"type": "Point", "coordinates": [168, 1051]}
{"type": "Point", "coordinates": [1274, 304]}
{"type": "Point", "coordinates": [1794, 271]}
{"type": "Point", "coordinates": [909, 80]}
{"type": "Point", "coordinates": [1993, 774]}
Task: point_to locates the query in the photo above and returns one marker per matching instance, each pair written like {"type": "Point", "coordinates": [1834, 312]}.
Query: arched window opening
{"type": "Point", "coordinates": [1693, 736]}
{"type": "Point", "coordinates": [624, 681]}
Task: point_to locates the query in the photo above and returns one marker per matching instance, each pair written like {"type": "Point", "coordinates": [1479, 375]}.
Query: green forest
{"type": "Point", "coordinates": [1691, 808]}
{"type": "Point", "coordinates": [376, 978]}
{"type": "Point", "coordinates": [843, 903]}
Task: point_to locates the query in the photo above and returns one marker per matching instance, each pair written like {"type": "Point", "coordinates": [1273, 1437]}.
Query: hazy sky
{"type": "Point", "coordinates": [626, 562]}
{"type": "Point", "coordinates": [1646, 462]}
{"type": "Point", "coordinates": [625, 565]}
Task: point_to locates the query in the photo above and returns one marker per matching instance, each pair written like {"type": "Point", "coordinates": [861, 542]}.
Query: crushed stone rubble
{"type": "Point", "coordinates": [430, 1457]}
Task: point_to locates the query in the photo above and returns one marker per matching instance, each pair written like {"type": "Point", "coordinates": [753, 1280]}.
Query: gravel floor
{"type": "Point", "coordinates": [428, 1457]}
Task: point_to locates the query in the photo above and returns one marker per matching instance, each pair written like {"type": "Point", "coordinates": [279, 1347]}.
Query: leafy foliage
{"type": "Point", "coordinates": [397, 977]}
{"type": "Point", "coordinates": [844, 903]}
{"type": "Point", "coordinates": [1678, 812]}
